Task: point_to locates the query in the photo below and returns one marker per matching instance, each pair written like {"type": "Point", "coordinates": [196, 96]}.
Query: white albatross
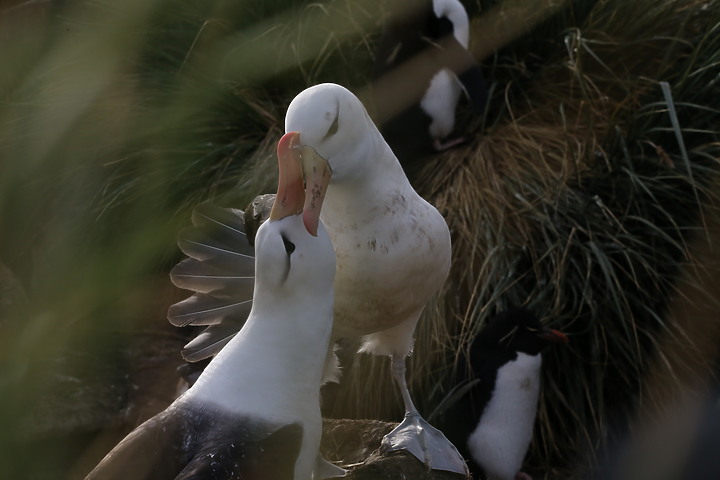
{"type": "Point", "coordinates": [393, 250]}
{"type": "Point", "coordinates": [254, 413]}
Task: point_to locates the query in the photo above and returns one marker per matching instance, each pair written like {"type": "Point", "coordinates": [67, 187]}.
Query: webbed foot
{"type": "Point", "coordinates": [427, 443]}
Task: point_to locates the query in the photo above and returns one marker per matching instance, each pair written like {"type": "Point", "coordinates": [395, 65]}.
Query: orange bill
{"type": "Point", "coordinates": [314, 173]}
{"type": "Point", "coordinates": [317, 178]}
{"type": "Point", "coordinates": [291, 190]}
{"type": "Point", "coordinates": [554, 336]}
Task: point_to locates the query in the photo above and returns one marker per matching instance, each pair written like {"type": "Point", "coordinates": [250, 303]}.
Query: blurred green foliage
{"type": "Point", "coordinates": [574, 196]}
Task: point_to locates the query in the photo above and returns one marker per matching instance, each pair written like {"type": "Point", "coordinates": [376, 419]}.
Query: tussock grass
{"type": "Point", "coordinates": [583, 194]}
{"type": "Point", "coordinates": [583, 202]}
{"type": "Point", "coordinates": [577, 199]}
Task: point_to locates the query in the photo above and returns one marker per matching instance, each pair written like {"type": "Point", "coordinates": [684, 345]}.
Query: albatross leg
{"type": "Point", "coordinates": [417, 436]}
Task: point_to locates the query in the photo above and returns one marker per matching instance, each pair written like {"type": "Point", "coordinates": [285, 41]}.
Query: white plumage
{"type": "Point", "coordinates": [492, 420]}
{"type": "Point", "coordinates": [392, 247]}
{"type": "Point", "coordinates": [273, 367]}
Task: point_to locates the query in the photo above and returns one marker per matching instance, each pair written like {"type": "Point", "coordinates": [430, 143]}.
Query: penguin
{"type": "Point", "coordinates": [254, 412]}
{"type": "Point", "coordinates": [441, 26]}
{"type": "Point", "coordinates": [492, 422]}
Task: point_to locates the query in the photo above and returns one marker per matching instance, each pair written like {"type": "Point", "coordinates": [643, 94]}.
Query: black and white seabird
{"type": "Point", "coordinates": [254, 413]}
{"type": "Point", "coordinates": [393, 248]}
{"type": "Point", "coordinates": [413, 28]}
{"type": "Point", "coordinates": [493, 421]}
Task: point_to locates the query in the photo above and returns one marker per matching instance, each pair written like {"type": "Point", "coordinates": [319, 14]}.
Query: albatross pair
{"type": "Point", "coordinates": [392, 247]}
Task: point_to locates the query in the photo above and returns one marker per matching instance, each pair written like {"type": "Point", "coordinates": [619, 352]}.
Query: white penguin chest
{"type": "Point", "coordinates": [501, 439]}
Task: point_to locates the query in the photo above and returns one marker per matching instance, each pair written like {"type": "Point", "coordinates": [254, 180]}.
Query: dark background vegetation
{"type": "Point", "coordinates": [588, 192]}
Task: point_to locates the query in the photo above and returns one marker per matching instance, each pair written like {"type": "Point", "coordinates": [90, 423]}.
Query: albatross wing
{"type": "Point", "coordinates": [191, 443]}
{"type": "Point", "coordinates": [221, 271]}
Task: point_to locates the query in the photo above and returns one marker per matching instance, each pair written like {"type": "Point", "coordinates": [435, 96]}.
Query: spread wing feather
{"type": "Point", "coordinates": [225, 227]}
{"type": "Point", "coordinates": [202, 309]}
{"type": "Point", "coordinates": [204, 277]}
{"type": "Point", "coordinates": [214, 247]}
{"type": "Point", "coordinates": [211, 340]}
{"type": "Point", "coordinates": [230, 218]}
{"type": "Point", "coordinates": [220, 271]}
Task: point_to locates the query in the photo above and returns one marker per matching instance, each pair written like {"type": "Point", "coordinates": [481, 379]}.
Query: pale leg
{"type": "Point", "coordinates": [417, 436]}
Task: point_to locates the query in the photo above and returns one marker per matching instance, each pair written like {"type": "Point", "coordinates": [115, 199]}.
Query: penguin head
{"type": "Point", "coordinates": [518, 330]}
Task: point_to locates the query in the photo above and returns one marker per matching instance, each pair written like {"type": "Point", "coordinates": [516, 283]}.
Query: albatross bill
{"type": "Point", "coordinates": [303, 161]}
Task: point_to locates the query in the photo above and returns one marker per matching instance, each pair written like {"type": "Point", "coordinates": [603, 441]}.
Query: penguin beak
{"type": "Point", "coordinates": [310, 167]}
{"type": "Point", "coordinates": [553, 336]}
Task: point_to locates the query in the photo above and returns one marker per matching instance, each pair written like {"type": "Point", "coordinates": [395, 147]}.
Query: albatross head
{"type": "Point", "coordinates": [330, 135]}
{"type": "Point", "coordinates": [290, 261]}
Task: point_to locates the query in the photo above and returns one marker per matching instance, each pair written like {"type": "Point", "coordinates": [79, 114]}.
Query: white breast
{"type": "Point", "coordinates": [503, 434]}
{"type": "Point", "coordinates": [273, 373]}
{"type": "Point", "coordinates": [390, 261]}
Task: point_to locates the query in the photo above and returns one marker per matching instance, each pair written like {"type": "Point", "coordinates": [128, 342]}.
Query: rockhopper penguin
{"type": "Point", "coordinates": [492, 423]}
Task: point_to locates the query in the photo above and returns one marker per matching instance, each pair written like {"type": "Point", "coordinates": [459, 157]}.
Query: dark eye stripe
{"type": "Point", "coordinates": [289, 249]}
{"type": "Point", "coordinates": [334, 127]}
{"type": "Point", "coordinates": [289, 246]}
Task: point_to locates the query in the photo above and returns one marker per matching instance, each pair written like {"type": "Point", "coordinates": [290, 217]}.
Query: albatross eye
{"type": "Point", "coordinates": [289, 246]}
{"type": "Point", "coordinates": [333, 128]}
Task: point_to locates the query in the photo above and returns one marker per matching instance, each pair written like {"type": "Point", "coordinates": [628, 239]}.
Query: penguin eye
{"type": "Point", "coordinates": [289, 246]}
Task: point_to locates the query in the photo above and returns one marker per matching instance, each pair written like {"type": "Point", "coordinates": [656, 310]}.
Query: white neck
{"type": "Point", "coordinates": [274, 363]}
{"type": "Point", "coordinates": [359, 197]}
